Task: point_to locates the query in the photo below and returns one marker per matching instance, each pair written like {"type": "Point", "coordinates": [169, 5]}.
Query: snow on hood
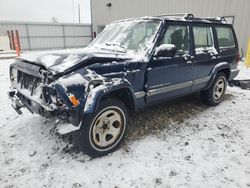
{"type": "Point", "coordinates": [82, 77]}
{"type": "Point", "coordinates": [61, 60]}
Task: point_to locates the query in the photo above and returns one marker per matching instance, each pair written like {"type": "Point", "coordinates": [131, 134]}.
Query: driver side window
{"type": "Point", "coordinates": [179, 36]}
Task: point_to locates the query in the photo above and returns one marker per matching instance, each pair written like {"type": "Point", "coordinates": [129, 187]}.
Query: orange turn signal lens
{"type": "Point", "coordinates": [74, 100]}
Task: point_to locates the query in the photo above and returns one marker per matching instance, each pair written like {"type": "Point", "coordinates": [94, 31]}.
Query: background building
{"type": "Point", "coordinates": [105, 11]}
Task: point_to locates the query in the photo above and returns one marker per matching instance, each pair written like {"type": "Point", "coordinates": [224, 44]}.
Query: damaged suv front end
{"type": "Point", "coordinates": [91, 88]}
{"type": "Point", "coordinates": [35, 89]}
{"type": "Point", "coordinates": [66, 97]}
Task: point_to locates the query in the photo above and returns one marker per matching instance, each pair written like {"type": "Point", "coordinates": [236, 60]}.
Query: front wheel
{"type": "Point", "coordinates": [214, 95]}
{"type": "Point", "coordinates": [103, 131]}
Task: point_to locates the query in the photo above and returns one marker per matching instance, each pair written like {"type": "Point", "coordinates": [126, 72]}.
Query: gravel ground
{"type": "Point", "coordinates": [181, 143]}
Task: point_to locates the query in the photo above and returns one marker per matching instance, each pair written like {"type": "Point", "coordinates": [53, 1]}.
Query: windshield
{"type": "Point", "coordinates": [135, 36]}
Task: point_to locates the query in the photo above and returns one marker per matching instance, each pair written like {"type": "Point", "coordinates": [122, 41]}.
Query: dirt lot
{"type": "Point", "coordinates": [181, 143]}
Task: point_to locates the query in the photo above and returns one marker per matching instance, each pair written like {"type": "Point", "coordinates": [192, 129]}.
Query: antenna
{"type": "Point", "coordinates": [79, 13]}
{"type": "Point", "coordinates": [73, 11]}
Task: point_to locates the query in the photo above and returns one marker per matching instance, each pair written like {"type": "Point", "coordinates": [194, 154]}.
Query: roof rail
{"type": "Point", "coordinates": [219, 19]}
{"type": "Point", "coordinates": [177, 14]}
{"type": "Point", "coordinates": [186, 16]}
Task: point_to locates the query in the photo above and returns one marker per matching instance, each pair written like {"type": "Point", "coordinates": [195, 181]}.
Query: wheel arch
{"type": "Point", "coordinates": [226, 71]}
{"type": "Point", "coordinates": [220, 67]}
{"type": "Point", "coordinates": [122, 92]}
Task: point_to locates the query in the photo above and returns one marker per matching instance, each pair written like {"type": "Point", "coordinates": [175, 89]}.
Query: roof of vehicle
{"type": "Point", "coordinates": [185, 17]}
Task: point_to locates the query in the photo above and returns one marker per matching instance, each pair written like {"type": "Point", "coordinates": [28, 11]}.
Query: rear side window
{"type": "Point", "coordinates": [225, 37]}
{"type": "Point", "coordinates": [203, 38]}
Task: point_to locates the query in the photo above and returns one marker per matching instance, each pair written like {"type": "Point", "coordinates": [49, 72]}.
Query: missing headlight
{"type": "Point", "coordinates": [13, 75]}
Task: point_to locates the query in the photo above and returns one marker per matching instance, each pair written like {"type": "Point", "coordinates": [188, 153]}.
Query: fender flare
{"type": "Point", "coordinates": [92, 102]}
{"type": "Point", "coordinates": [218, 67]}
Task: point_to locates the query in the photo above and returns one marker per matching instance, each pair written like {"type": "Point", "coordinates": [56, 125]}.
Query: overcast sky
{"type": "Point", "coordinates": [44, 10]}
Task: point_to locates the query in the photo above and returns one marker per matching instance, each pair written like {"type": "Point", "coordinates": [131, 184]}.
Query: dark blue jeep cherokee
{"type": "Point", "coordinates": [132, 64]}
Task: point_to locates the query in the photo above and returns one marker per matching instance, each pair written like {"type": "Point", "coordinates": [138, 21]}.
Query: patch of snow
{"type": "Point", "coordinates": [65, 128]}
{"type": "Point", "coordinates": [167, 146]}
{"type": "Point", "coordinates": [70, 61]}
{"type": "Point", "coordinates": [244, 73]}
{"type": "Point", "coordinates": [91, 98]}
{"type": "Point", "coordinates": [76, 78]}
{"type": "Point", "coordinates": [73, 79]}
{"type": "Point", "coordinates": [50, 59]}
{"type": "Point", "coordinates": [164, 47]}
{"type": "Point", "coordinates": [7, 55]}
{"type": "Point", "coordinates": [93, 93]}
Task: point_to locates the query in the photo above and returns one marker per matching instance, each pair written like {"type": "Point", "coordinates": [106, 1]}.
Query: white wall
{"type": "Point", "coordinates": [36, 36]}
{"type": "Point", "coordinates": [101, 14]}
{"type": "Point", "coordinates": [4, 43]}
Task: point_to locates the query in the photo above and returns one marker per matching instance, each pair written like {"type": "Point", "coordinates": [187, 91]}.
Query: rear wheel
{"type": "Point", "coordinates": [214, 95]}
{"type": "Point", "coordinates": [103, 131]}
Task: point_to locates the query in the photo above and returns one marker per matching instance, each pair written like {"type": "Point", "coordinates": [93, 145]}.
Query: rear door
{"type": "Point", "coordinates": [171, 76]}
{"type": "Point", "coordinates": [205, 53]}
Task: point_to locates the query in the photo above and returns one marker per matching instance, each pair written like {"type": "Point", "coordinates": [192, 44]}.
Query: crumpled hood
{"type": "Point", "coordinates": [60, 61]}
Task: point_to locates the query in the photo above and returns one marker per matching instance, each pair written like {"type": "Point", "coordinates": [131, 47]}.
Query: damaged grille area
{"type": "Point", "coordinates": [28, 82]}
{"type": "Point", "coordinates": [34, 88]}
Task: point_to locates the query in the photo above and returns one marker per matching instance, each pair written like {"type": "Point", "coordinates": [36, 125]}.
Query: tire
{"type": "Point", "coordinates": [214, 95]}
{"type": "Point", "coordinates": [103, 131]}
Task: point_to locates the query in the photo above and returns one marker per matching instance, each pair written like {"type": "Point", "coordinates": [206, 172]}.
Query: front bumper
{"type": "Point", "coordinates": [19, 101]}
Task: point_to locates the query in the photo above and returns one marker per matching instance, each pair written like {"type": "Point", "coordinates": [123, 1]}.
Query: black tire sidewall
{"type": "Point", "coordinates": [84, 139]}
{"type": "Point", "coordinates": [208, 95]}
{"type": "Point", "coordinates": [218, 77]}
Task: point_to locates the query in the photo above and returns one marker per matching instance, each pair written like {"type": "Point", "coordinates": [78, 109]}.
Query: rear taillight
{"type": "Point", "coordinates": [238, 58]}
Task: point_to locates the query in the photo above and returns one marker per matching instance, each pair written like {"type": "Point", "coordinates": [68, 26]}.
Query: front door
{"type": "Point", "coordinates": [171, 76]}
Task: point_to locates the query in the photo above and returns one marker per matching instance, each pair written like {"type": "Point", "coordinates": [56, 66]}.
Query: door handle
{"type": "Point", "coordinates": [190, 59]}
{"type": "Point", "coordinates": [215, 57]}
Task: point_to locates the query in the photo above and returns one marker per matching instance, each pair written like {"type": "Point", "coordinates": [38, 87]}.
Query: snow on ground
{"type": "Point", "coordinates": [244, 72]}
{"type": "Point", "coordinates": [7, 56]}
{"type": "Point", "coordinates": [182, 143]}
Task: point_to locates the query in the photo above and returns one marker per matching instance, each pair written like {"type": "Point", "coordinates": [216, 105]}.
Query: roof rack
{"type": "Point", "coordinates": [177, 14]}
{"type": "Point", "coordinates": [183, 15]}
{"type": "Point", "coordinates": [188, 16]}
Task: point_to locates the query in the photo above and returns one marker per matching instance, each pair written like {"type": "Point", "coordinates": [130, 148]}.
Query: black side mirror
{"type": "Point", "coordinates": [165, 50]}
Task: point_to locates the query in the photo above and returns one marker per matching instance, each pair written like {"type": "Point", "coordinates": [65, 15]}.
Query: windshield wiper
{"type": "Point", "coordinates": [116, 44]}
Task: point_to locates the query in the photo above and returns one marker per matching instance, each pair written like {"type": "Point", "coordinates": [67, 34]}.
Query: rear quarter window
{"type": "Point", "coordinates": [225, 37]}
